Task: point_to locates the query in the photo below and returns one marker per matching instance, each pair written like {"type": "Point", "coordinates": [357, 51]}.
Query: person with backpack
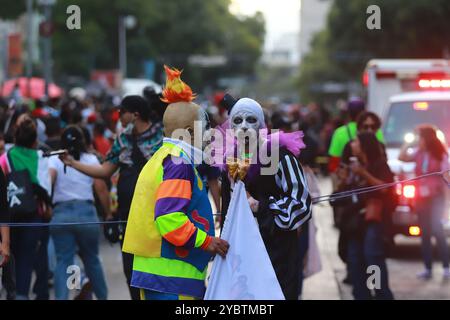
{"type": "Point", "coordinates": [363, 219]}
{"type": "Point", "coordinates": [26, 170]}
{"type": "Point", "coordinates": [141, 138]}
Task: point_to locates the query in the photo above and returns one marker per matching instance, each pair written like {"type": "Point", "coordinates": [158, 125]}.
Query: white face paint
{"type": "Point", "coordinates": [246, 118]}
{"type": "Point", "coordinates": [246, 127]}
{"type": "Point", "coordinates": [243, 121]}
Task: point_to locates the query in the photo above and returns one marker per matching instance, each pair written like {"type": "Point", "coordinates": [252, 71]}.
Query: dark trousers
{"type": "Point", "coordinates": [41, 288]}
{"type": "Point", "coordinates": [364, 250]}
{"type": "Point", "coordinates": [303, 244]}
{"type": "Point", "coordinates": [282, 247]}
{"type": "Point", "coordinates": [431, 212]}
{"type": "Point", "coordinates": [24, 247]}
{"type": "Point", "coordinates": [9, 278]}
{"type": "Point", "coordinates": [127, 261]}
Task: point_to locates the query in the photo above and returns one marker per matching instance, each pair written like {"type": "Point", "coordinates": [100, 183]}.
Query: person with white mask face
{"type": "Point", "coordinates": [280, 201]}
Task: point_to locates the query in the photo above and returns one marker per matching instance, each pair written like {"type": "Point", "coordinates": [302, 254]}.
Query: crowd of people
{"type": "Point", "coordinates": [358, 159]}
{"type": "Point", "coordinates": [107, 148]}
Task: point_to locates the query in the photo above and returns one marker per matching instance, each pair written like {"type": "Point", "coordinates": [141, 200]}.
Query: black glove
{"type": "Point", "coordinates": [113, 231]}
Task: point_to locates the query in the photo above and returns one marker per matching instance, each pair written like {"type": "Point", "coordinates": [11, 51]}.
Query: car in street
{"type": "Point", "coordinates": [404, 112]}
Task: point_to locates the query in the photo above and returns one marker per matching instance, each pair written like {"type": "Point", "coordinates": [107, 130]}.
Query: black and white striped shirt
{"type": "Point", "coordinates": [294, 207]}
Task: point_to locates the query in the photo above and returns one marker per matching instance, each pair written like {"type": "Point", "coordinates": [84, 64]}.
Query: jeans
{"type": "Point", "coordinates": [69, 239]}
{"type": "Point", "coordinates": [51, 256]}
{"type": "Point", "coordinates": [363, 251]}
{"type": "Point", "coordinates": [430, 212]}
{"type": "Point", "coordinates": [24, 247]}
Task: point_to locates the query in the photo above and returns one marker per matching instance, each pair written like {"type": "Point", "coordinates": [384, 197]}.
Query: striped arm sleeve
{"type": "Point", "coordinates": [293, 209]}
{"type": "Point", "coordinates": [172, 201]}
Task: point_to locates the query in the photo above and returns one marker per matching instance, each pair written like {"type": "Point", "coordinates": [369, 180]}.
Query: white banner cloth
{"type": "Point", "coordinates": [246, 273]}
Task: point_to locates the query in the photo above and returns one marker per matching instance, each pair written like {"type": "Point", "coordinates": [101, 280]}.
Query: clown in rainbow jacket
{"type": "Point", "coordinates": [170, 229]}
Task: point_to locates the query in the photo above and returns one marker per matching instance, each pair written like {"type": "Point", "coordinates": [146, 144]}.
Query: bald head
{"type": "Point", "coordinates": [180, 115]}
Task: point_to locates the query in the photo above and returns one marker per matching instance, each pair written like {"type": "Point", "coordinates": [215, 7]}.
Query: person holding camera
{"type": "Point", "coordinates": [363, 220]}
{"type": "Point", "coordinates": [73, 200]}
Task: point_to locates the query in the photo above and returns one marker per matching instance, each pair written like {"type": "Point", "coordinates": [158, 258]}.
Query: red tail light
{"type": "Point", "coordinates": [365, 79]}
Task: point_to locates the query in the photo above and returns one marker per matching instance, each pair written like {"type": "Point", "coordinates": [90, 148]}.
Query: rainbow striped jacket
{"type": "Point", "coordinates": [170, 224]}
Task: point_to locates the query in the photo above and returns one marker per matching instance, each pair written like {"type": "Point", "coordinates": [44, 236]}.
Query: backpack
{"type": "Point", "coordinates": [20, 193]}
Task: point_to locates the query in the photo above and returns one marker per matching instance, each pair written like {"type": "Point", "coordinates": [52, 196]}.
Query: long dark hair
{"type": "Point", "coordinates": [72, 139]}
{"type": "Point", "coordinates": [432, 143]}
{"type": "Point", "coordinates": [365, 115]}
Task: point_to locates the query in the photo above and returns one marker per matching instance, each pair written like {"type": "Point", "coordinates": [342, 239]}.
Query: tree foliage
{"type": "Point", "coordinates": [167, 31]}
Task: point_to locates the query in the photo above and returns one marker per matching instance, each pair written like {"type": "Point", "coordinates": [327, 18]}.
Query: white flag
{"type": "Point", "coordinates": [246, 273]}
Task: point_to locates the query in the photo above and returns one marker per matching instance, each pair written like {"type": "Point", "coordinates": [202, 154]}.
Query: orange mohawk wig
{"type": "Point", "coordinates": [176, 90]}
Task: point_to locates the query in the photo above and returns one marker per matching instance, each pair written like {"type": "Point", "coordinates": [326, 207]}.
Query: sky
{"type": "Point", "coordinates": [282, 16]}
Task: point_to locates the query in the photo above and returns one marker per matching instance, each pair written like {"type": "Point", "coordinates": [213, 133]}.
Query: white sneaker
{"type": "Point", "coordinates": [446, 273]}
{"type": "Point", "coordinates": [425, 275]}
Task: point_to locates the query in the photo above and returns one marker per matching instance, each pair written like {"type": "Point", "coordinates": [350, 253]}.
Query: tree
{"type": "Point", "coordinates": [167, 31]}
{"type": "Point", "coordinates": [409, 29]}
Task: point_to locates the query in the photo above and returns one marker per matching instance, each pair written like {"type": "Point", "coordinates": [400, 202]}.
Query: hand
{"type": "Point", "coordinates": [254, 204]}
{"type": "Point", "coordinates": [67, 159]}
{"type": "Point", "coordinates": [48, 213]}
{"type": "Point", "coordinates": [342, 173]}
{"type": "Point", "coordinates": [219, 246]}
{"type": "Point", "coordinates": [111, 231]}
{"type": "Point", "coordinates": [109, 217]}
{"type": "Point", "coordinates": [358, 169]}
{"type": "Point", "coordinates": [4, 252]}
